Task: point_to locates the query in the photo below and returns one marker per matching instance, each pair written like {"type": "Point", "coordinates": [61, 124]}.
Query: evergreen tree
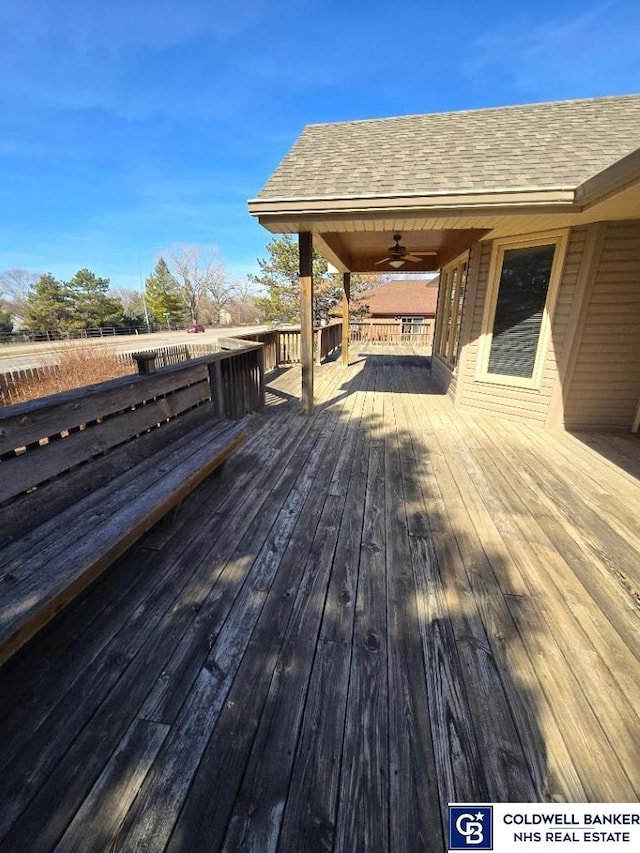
{"type": "Point", "coordinates": [164, 302]}
{"type": "Point", "coordinates": [280, 272]}
{"type": "Point", "coordinates": [92, 306]}
{"type": "Point", "coordinates": [48, 305]}
{"type": "Point", "coordinates": [6, 323]}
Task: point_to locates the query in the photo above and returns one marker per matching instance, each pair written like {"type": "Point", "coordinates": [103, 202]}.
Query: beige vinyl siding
{"type": "Point", "coordinates": [472, 320]}
{"type": "Point", "coordinates": [531, 404]}
{"type": "Point", "coordinates": [444, 376]}
{"type": "Point", "coordinates": [605, 388]}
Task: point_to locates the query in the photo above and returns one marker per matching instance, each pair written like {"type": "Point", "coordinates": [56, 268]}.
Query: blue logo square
{"type": "Point", "coordinates": [470, 827]}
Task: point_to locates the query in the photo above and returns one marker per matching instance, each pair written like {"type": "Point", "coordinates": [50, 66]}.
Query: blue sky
{"type": "Point", "coordinates": [130, 125]}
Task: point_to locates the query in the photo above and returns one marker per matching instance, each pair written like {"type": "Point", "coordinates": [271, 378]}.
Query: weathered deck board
{"type": "Point", "coordinates": [371, 612]}
{"type": "Point", "coordinates": [363, 814]}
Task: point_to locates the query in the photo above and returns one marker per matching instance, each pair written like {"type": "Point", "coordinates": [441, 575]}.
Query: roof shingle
{"type": "Point", "coordinates": [409, 297]}
{"type": "Point", "coordinates": [553, 145]}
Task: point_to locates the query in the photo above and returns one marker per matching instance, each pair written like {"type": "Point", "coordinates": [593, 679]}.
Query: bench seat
{"type": "Point", "coordinates": [48, 565]}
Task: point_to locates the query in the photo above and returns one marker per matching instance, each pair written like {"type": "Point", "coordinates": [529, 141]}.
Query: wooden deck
{"type": "Point", "coordinates": [370, 613]}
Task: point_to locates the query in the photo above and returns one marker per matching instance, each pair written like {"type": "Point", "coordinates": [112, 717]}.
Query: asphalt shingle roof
{"type": "Point", "coordinates": [411, 297]}
{"type": "Point", "coordinates": [554, 145]}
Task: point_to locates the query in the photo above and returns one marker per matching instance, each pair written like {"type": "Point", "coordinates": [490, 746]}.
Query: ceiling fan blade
{"type": "Point", "coordinates": [383, 261]}
{"type": "Point", "coordinates": [425, 254]}
{"type": "Point", "coordinates": [415, 258]}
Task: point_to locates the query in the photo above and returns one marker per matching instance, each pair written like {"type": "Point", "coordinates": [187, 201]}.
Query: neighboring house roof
{"type": "Point", "coordinates": [411, 298]}
{"type": "Point", "coordinates": [538, 146]}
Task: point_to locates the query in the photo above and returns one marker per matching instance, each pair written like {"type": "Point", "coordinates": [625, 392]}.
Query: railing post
{"type": "Point", "coordinates": [217, 389]}
{"type": "Point", "coordinates": [260, 359]}
{"type": "Point", "coordinates": [146, 362]}
{"type": "Point", "coordinates": [318, 346]}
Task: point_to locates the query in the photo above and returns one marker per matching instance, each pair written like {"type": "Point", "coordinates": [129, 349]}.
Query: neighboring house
{"type": "Point", "coordinates": [401, 298]}
{"type": "Point", "coordinates": [532, 214]}
{"type": "Point", "coordinates": [404, 308]}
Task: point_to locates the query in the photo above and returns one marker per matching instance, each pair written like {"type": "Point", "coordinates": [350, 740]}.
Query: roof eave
{"type": "Point", "coordinates": [610, 181]}
{"type": "Point", "coordinates": [450, 202]}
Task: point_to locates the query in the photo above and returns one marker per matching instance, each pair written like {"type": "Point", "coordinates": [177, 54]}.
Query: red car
{"type": "Point", "coordinates": [196, 327]}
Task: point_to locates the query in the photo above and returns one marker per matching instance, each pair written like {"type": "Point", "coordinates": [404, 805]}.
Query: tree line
{"type": "Point", "coordinates": [188, 284]}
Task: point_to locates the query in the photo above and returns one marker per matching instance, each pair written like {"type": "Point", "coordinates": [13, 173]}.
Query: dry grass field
{"type": "Point", "coordinates": [79, 365]}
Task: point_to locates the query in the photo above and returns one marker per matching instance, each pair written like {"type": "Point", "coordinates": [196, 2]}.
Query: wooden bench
{"type": "Point", "coordinates": [84, 474]}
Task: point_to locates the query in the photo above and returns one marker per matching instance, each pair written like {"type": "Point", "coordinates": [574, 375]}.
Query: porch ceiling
{"type": "Point", "coordinates": [362, 251]}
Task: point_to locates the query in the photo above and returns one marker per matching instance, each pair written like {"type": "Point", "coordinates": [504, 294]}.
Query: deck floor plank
{"type": "Point", "coordinates": [550, 579]}
{"type": "Point", "coordinates": [362, 822]}
{"type": "Point", "coordinates": [254, 704]}
{"type": "Point", "coordinates": [414, 809]}
{"type": "Point", "coordinates": [373, 611]}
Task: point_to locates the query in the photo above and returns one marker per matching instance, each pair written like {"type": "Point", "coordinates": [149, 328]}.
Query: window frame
{"type": "Point", "coordinates": [558, 238]}
{"type": "Point", "coordinates": [453, 283]}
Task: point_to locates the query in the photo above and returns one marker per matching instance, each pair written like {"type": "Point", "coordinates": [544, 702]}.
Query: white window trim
{"type": "Point", "coordinates": [560, 239]}
{"type": "Point", "coordinates": [446, 283]}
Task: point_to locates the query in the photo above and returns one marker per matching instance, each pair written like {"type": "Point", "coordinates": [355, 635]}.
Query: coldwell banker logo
{"type": "Point", "coordinates": [470, 827]}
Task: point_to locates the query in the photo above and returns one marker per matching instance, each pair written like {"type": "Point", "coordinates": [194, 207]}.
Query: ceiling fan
{"type": "Point", "coordinates": [398, 254]}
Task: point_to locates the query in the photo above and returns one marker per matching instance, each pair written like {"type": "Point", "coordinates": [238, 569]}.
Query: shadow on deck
{"type": "Point", "coordinates": [370, 613]}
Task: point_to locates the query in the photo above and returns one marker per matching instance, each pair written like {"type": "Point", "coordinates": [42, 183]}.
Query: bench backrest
{"type": "Point", "coordinates": [44, 438]}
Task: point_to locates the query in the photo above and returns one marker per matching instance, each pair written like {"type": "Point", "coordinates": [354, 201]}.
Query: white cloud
{"type": "Point", "coordinates": [125, 25]}
{"type": "Point", "coordinates": [133, 58]}
{"type": "Point", "coordinates": [595, 53]}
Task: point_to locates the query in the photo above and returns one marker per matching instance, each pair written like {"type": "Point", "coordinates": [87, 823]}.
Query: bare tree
{"type": "Point", "coordinates": [14, 289]}
{"type": "Point", "coordinates": [244, 308]}
{"type": "Point", "coordinates": [132, 300]}
{"type": "Point", "coordinates": [199, 273]}
{"type": "Point", "coordinates": [221, 291]}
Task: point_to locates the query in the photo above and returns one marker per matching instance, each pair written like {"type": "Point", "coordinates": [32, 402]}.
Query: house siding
{"type": "Point", "coordinates": [443, 376]}
{"type": "Point", "coordinates": [605, 387]}
{"type": "Point", "coordinates": [530, 404]}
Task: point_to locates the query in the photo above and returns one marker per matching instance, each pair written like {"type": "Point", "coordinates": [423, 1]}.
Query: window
{"type": "Point", "coordinates": [522, 284]}
{"type": "Point", "coordinates": [453, 280]}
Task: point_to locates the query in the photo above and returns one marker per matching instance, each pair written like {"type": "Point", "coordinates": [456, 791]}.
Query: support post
{"type": "Point", "coordinates": [305, 244]}
{"type": "Point", "coordinates": [346, 299]}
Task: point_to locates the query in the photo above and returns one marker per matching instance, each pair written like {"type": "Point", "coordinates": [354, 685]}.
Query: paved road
{"type": "Point", "coordinates": [19, 356]}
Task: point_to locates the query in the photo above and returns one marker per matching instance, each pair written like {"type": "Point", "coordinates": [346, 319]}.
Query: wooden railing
{"type": "Point", "coordinates": [278, 347]}
{"type": "Point", "coordinates": [282, 346]}
{"type": "Point", "coordinates": [289, 346]}
{"type": "Point", "coordinates": [235, 385]}
{"type": "Point", "coordinates": [13, 381]}
{"type": "Point", "coordinates": [372, 332]}
{"type": "Point", "coordinates": [236, 376]}
{"type": "Point", "coordinates": [328, 340]}
{"type": "Point", "coordinates": [269, 341]}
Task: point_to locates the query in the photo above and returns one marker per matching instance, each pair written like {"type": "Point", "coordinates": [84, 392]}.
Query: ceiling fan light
{"type": "Point", "coordinates": [396, 264]}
